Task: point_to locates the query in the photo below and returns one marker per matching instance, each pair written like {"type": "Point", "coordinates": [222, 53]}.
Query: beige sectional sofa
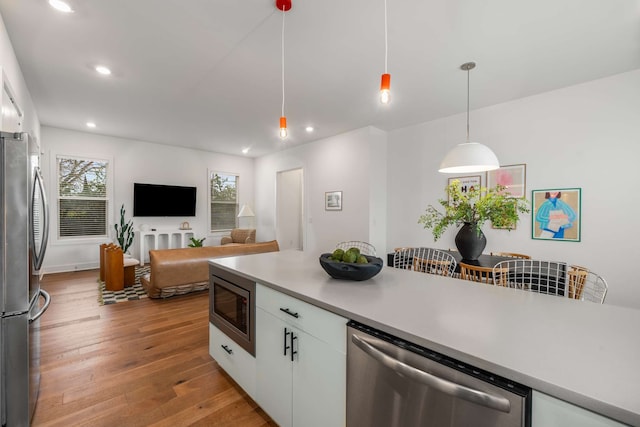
{"type": "Point", "coordinates": [179, 271]}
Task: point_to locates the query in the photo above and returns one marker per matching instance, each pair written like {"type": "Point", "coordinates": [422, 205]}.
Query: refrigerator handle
{"type": "Point", "coordinates": [39, 185]}
{"type": "Point", "coordinates": [47, 301]}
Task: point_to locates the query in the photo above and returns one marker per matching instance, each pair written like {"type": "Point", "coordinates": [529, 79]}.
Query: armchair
{"type": "Point", "coordinates": [240, 236]}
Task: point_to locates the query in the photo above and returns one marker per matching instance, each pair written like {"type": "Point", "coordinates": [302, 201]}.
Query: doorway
{"type": "Point", "coordinates": [289, 209]}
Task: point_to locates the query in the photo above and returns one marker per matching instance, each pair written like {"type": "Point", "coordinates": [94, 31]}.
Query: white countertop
{"type": "Point", "coordinates": [585, 353]}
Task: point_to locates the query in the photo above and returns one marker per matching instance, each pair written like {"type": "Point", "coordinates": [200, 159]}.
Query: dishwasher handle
{"type": "Point", "coordinates": [479, 397]}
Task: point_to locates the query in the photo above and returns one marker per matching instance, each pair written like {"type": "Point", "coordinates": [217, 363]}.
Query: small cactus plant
{"type": "Point", "coordinates": [124, 233]}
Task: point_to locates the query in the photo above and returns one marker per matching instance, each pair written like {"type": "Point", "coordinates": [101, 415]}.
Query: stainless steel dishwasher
{"type": "Point", "coordinates": [394, 383]}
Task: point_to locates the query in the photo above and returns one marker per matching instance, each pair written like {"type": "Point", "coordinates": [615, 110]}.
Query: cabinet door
{"type": "Point", "coordinates": [548, 411]}
{"type": "Point", "coordinates": [240, 365]}
{"type": "Point", "coordinates": [273, 382]}
{"type": "Point", "coordinates": [319, 383]}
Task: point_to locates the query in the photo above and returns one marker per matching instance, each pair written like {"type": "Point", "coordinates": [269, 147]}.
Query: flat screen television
{"type": "Point", "coordinates": [163, 200]}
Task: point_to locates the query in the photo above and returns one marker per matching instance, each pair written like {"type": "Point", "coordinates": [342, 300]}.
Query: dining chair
{"type": "Point", "coordinates": [545, 277]}
{"type": "Point", "coordinates": [511, 255]}
{"type": "Point", "coordinates": [485, 275]}
{"type": "Point", "coordinates": [585, 285]}
{"type": "Point", "coordinates": [365, 248]}
{"type": "Point", "coordinates": [425, 260]}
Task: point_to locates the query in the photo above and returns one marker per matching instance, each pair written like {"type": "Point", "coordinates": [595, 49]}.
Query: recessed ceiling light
{"type": "Point", "coordinates": [103, 70]}
{"type": "Point", "coordinates": [245, 150]}
{"type": "Point", "coordinates": [309, 129]}
{"type": "Point", "coordinates": [61, 6]}
{"type": "Point", "coordinates": [91, 125]}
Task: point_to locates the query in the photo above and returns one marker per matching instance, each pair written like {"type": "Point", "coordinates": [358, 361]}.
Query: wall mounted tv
{"type": "Point", "coordinates": [163, 200]}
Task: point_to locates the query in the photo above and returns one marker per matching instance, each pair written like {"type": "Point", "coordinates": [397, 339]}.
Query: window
{"type": "Point", "coordinates": [82, 197]}
{"type": "Point", "coordinates": [224, 201]}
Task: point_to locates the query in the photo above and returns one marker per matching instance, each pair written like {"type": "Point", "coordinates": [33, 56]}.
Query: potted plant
{"type": "Point", "coordinates": [124, 233]}
{"type": "Point", "coordinates": [471, 209]}
{"type": "Point", "coordinates": [196, 243]}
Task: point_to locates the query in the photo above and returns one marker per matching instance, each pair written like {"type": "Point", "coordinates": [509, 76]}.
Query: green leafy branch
{"type": "Point", "coordinates": [475, 206]}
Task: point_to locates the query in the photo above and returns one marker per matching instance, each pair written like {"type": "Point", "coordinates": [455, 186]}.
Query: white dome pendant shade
{"type": "Point", "coordinates": [469, 156]}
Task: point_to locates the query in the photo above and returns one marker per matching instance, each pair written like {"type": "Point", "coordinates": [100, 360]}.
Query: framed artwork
{"type": "Point", "coordinates": [504, 228]}
{"type": "Point", "coordinates": [556, 214]}
{"type": "Point", "coordinates": [333, 201]}
{"type": "Point", "coordinates": [514, 177]}
{"type": "Point", "coordinates": [467, 182]}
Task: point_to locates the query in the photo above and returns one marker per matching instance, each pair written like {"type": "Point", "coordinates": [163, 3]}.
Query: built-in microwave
{"type": "Point", "coordinates": [232, 307]}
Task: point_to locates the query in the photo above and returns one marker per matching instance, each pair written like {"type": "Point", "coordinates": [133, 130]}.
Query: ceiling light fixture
{"type": "Point", "coordinates": [283, 5]}
{"type": "Point", "coordinates": [309, 129]}
{"type": "Point", "coordinates": [91, 125]}
{"type": "Point", "coordinates": [245, 150]}
{"type": "Point", "coordinates": [469, 156]}
{"type": "Point", "coordinates": [385, 82]}
{"type": "Point", "coordinates": [103, 70]}
{"type": "Point", "coordinates": [60, 6]}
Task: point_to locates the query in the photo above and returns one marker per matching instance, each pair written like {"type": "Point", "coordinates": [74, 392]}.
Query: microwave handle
{"type": "Point", "coordinates": [479, 397]}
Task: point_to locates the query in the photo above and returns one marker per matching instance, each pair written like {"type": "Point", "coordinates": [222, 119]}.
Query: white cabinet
{"type": "Point", "coordinates": [161, 239]}
{"type": "Point", "coordinates": [548, 411]}
{"type": "Point", "coordinates": [238, 363]}
{"type": "Point", "coordinates": [301, 361]}
{"type": "Point", "coordinates": [11, 118]}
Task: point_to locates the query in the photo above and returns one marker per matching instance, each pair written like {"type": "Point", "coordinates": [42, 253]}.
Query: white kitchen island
{"type": "Point", "coordinates": [579, 352]}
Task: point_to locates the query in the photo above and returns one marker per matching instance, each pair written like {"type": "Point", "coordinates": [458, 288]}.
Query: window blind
{"type": "Point", "coordinates": [224, 201]}
{"type": "Point", "coordinates": [82, 197]}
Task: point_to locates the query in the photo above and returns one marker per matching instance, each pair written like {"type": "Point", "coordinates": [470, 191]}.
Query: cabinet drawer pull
{"type": "Point", "coordinates": [286, 347]}
{"type": "Point", "coordinates": [286, 310]}
{"type": "Point", "coordinates": [227, 349]}
{"type": "Point", "coordinates": [293, 352]}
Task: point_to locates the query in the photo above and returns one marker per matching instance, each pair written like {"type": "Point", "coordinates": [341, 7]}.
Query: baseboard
{"type": "Point", "coordinates": [70, 267]}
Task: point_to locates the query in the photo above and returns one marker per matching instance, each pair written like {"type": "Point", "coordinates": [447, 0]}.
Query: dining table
{"type": "Point", "coordinates": [539, 276]}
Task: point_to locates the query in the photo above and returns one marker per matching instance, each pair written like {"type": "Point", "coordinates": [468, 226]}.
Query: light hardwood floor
{"type": "Point", "coordinates": [136, 363]}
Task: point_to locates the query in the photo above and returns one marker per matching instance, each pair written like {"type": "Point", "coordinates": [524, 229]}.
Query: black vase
{"type": "Point", "coordinates": [470, 244]}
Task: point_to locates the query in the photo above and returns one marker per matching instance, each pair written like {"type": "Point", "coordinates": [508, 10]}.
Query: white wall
{"type": "Point", "coordinates": [341, 163]}
{"type": "Point", "coordinates": [137, 161]}
{"type": "Point", "coordinates": [10, 67]}
{"type": "Point", "coordinates": [585, 136]}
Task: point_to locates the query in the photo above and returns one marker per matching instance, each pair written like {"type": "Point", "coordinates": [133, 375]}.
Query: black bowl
{"type": "Point", "coordinates": [351, 271]}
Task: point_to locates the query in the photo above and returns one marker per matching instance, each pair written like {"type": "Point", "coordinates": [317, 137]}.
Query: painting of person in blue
{"type": "Point", "coordinates": [555, 216]}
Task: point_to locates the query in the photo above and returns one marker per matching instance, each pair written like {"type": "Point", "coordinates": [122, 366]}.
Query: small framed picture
{"type": "Point", "coordinates": [513, 177]}
{"type": "Point", "coordinates": [556, 214]}
{"type": "Point", "coordinates": [333, 201]}
{"type": "Point", "coordinates": [511, 227]}
{"type": "Point", "coordinates": [467, 183]}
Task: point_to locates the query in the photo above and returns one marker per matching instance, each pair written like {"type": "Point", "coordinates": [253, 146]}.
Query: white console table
{"type": "Point", "coordinates": [161, 239]}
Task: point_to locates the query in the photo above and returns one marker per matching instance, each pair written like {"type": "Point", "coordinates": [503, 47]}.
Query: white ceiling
{"type": "Point", "coordinates": [206, 73]}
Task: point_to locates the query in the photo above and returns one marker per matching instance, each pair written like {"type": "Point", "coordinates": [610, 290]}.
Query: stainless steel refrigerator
{"type": "Point", "coordinates": [24, 224]}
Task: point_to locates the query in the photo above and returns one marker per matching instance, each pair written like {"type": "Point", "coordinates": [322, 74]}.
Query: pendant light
{"type": "Point", "coordinates": [385, 81]}
{"type": "Point", "coordinates": [283, 5]}
{"type": "Point", "coordinates": [470, 156]}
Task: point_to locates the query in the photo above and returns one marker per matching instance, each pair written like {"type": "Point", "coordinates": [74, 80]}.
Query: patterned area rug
{"type": "Point", "coordinates": [131, 293]}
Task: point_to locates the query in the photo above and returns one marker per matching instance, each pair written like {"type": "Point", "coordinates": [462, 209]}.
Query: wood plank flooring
{"type": "Point", "coordinates": [138, 363]}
